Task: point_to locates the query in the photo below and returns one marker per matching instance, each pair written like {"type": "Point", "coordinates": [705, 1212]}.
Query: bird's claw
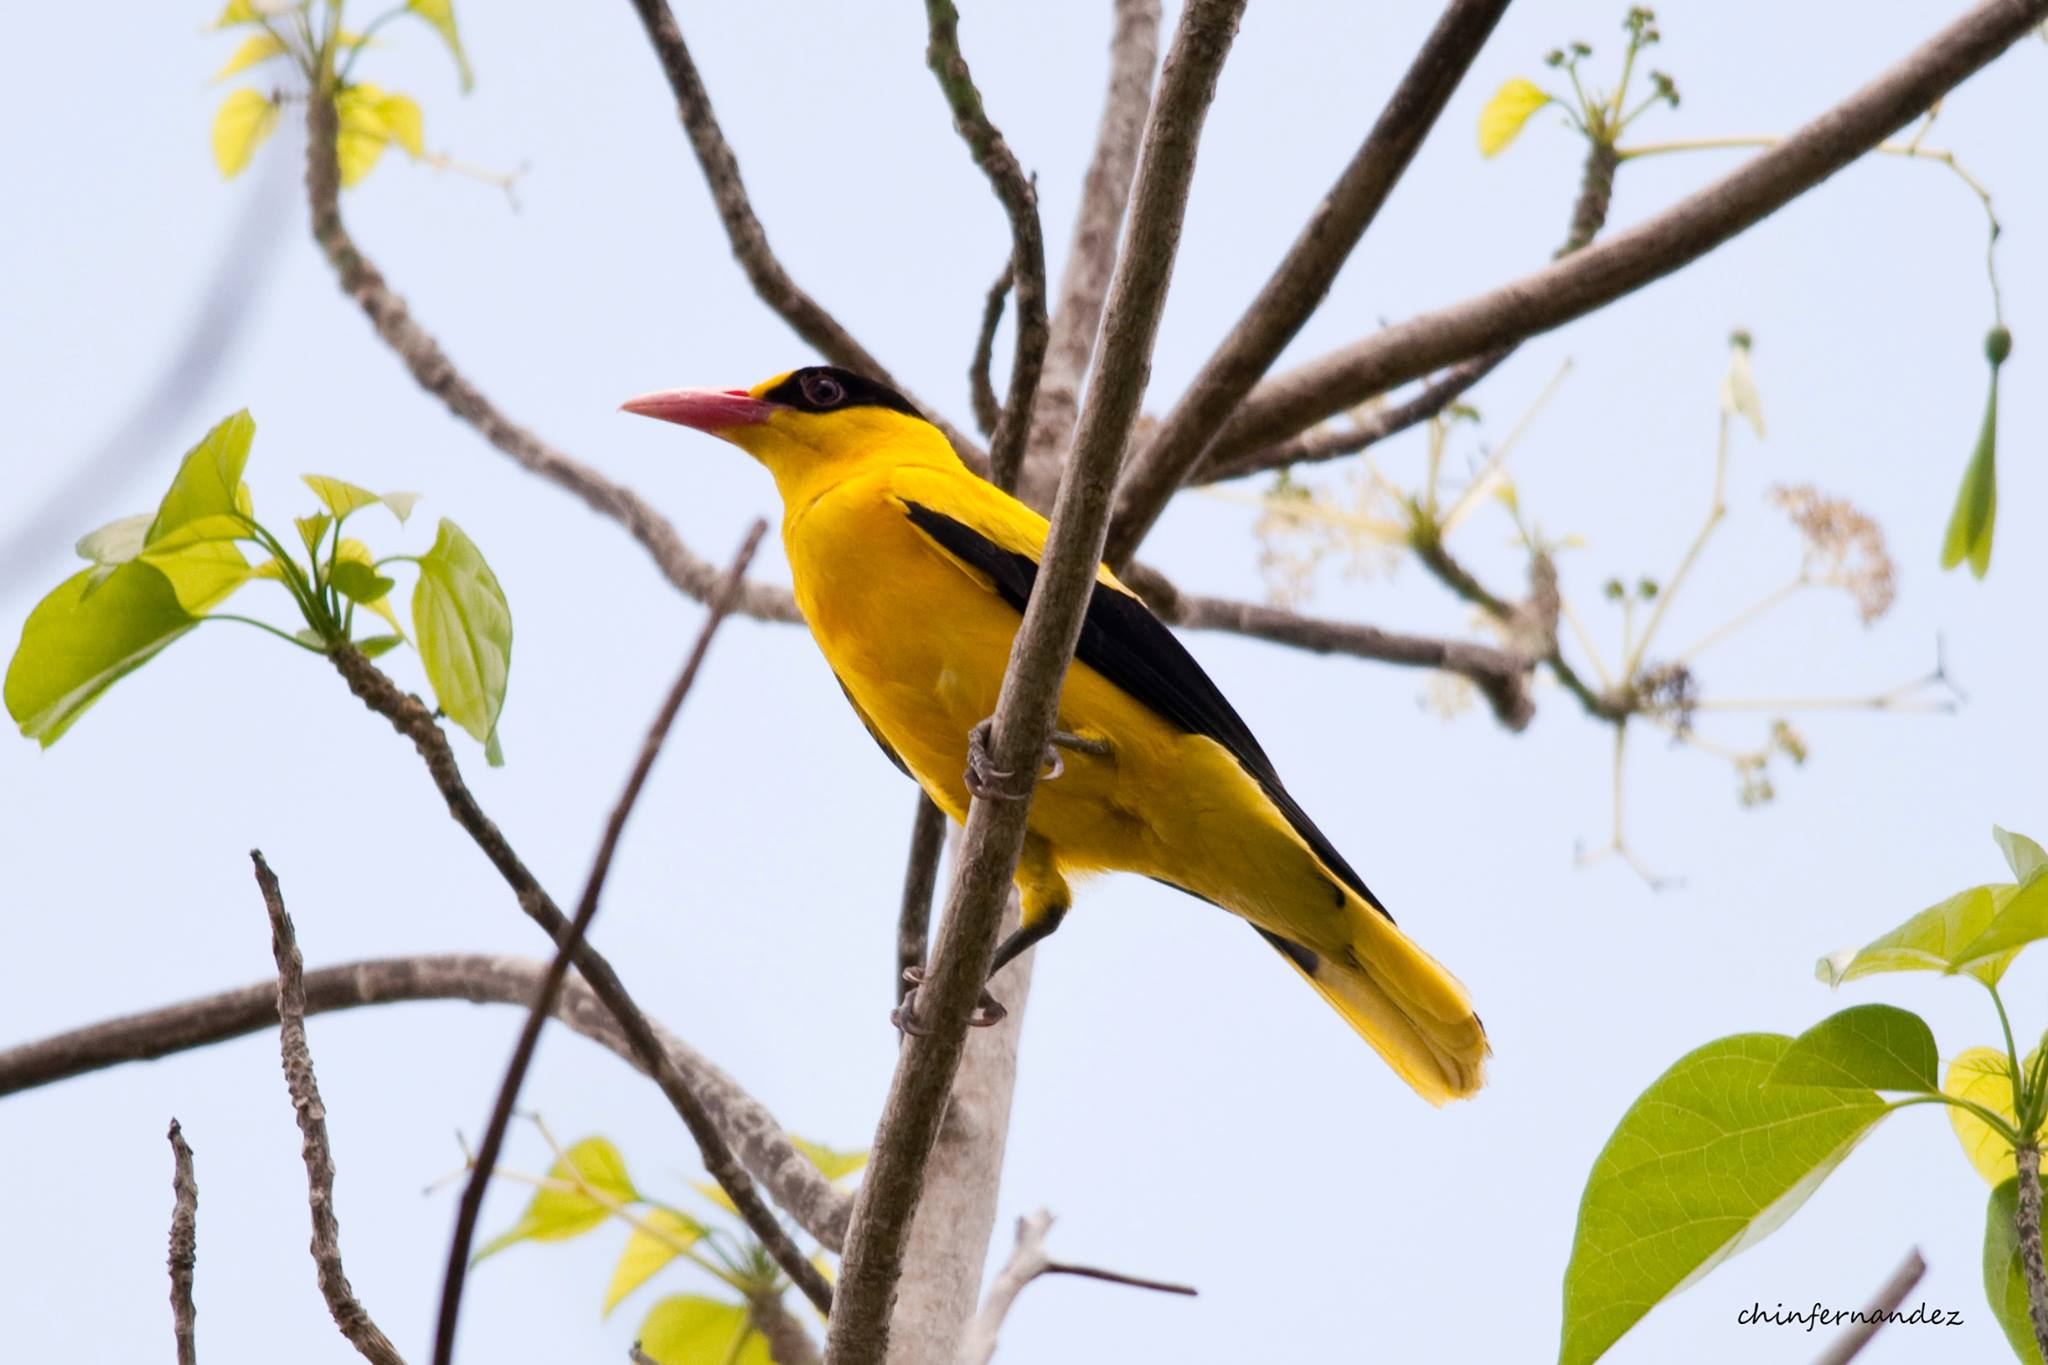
{"type": "Point", "coordinates": [986, 782]}
{"type": "Point", "coordinates": [988, 1011]}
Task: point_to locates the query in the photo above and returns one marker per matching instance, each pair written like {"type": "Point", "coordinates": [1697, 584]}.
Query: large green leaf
{"type": "Point", "coordinates": [207, 494]}
{"type": "Point", "coordinates": [1867, 1047]}
{"type": "Point", "coordinates": [81, 640]}
{"type": "Point", "coordinates": [2022, 918]}
{"type": "Point", "coordinates": [1709, 1160]}
{"type": "Point", "coordinates": [662, 1235]}
{"type": "Point", "coordinates": [2005, 1281]}
{"type": "Point", "coordinates": [582, 1186]}
{"type": "Point", "coordinates": [831, 1163]}
{"type": "Point", "coordinates": [202, 573]}
{"type": "Point", "coordinates": [2022, 855]}
{"type": "Point", "coordinates": [464, 631]}
{"type": "Point", "coordinates": [689, 1329]}
{"type": "Point", "coordinates": [1931, 941]}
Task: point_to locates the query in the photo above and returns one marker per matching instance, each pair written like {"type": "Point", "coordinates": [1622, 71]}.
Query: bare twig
{"type": "Point", "coordinates": [1575, 285]}
{"type": "Point", "coordinates": [1027, 1262]}
{"type": "Point", "coordinates": [412, 719]}
{"type": "Point", "coordinates": [820, 1207]}
{"type": "Point", "coordinates": [348, 1312]}
{"type": "Point", "coordinates": [1890, 1295]}
{"type": "Point", "coordinates": [1305, 274]}
{"type": "Point", "coordinates": [550, 987]}
{"type": "Point", "coordinates": [1084, 283]}
{"type": "Point", "coordinates": [436, 373]}
{"type": "Point", "coordinates": [1025, 710]}
{"type": "Point", "coordinates": [184, 1245]}
{"type": "Point", "coordinates": [2028, 1220]}
{"type": "Point", "coordinates": [920, 879]}
{"type": "Point", "coordinates": [788, 1342]}
{"type": "Point", "coordinates": [981, 390]}
{"type": "Point", "coordinates": [743, 229]}
{"type": "Point", "coordinates": [1019, 199]}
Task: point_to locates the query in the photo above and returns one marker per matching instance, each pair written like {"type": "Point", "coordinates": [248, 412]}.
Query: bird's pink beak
{"type": "Point", "coordinates": [710, 410]}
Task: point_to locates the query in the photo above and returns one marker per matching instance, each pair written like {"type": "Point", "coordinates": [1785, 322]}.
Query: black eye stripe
{"type": "Point", "coordinates": [799, 391]}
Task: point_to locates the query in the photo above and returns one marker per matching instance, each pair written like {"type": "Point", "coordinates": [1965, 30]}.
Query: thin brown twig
{"type": "Point", "coordinates": [348, 1312]}
{"type": "Point", "coordinates": [1890, 1295]}
{"type": "Point", "coordinates": [184, 1253]}
{"type": "Point", "coordinates": [817, 1205]}
{"type": "Point", "coordinates": [1029, 698]}
{"type": "Point", "coordinates": [436, 373]}
{"type": "Point", "coordinates": [1303, 277]}
{"type": "Point", "coordinates": [920, 880]}
{"type": "Point", "coordinates": [981, 390]}
{"type": "Point", "coordinates": [1029, 1260]}
{"type": "Point", "coordinates": [1014, 190]}
{"type": "Point", "coordinates": [551, 984]}
{"type": "Point", "coordinates": [749, 240]}
{"type": "Point", "coordinates": [1091, 256]}
{"type": "Point", "coordinates": [1577, 284]}
{"type": "Point", "coordinates": [410, 718]}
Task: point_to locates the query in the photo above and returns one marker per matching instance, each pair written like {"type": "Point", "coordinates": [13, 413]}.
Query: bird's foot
{"type": "Point", "coordinates": [988, 1011]}
{"type": "Point", "coordinates": [986, 782]}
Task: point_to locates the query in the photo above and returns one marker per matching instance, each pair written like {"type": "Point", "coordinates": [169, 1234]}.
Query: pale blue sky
{"type": "Point", "coordinates": [1185, 1107]}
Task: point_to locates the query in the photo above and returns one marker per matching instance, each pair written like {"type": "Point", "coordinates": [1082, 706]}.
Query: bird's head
{"type": "Point", "coordinates": [810, 427]}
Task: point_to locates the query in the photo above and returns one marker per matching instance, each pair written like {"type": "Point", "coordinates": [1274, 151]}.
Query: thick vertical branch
{"type": "Point", "coordinates": [1298, 285]}
{"type": "Point", "coordinates": [788, 1342]}
{"type": "Point", "coordinates": [184, 1245]}
{"type": "Point", "coordinates": [2028, 1217]}
{"type": "Point", "coordinates": [1027, 238]}
{"type": "Point", "coordinates": [1091, 257]}
{"type": "Point", "coordinates": [1030, 693]}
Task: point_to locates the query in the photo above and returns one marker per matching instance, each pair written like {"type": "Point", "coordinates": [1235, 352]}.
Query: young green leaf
{"type": "Point", "coordinates": [715, 1192]}
{"type": "Point", "coordinates": [120, 541]}
{"type": "Point", "coordinates": [255, 50]}
{"type": "Point", "coordinates": [1865, 1047]}
{"type": "Point", "coordinates": [237, 12]}
{"type": "Point", "coordinates": [401, 504]}
{"type": "Point", "coordinates": [2022, 918]}
{"type": "Point", "coordinates": [565, 1207]}
{"type": "Point", "coordinates": [1931, 941]}
{"type": "Point", "coordinates": [360, 583]}
{"type": "Point", "coordinates": [203, 573]}
{"type": "Point", "coordinates": [1500, 122]}
{"type": "Point", "coordinates": [464, 629]}
{"type": "Point", "coordinates": [2005, 1280]}
{"type": "Point", "coordinates": [1738, 387]}
{"type": "Point", "coordinates": [441, 14]}
{"type": "Point", "coordinates": [312, 530]}
{"type": "Point", "coordinates": [207, 496]}
{"type": "Point", "coordinates": [1976, 512]}
{"type": "Point", "coordinates": [353, 551]}
{"type": "Point", "coordinates": [666, 1234]}
{"type": "Point", "coordinates": [689, 1329]}
{"type": "Point", "coordinates": [1983, 1076]}
{"type": "Point", "coordinates": [1708, 1161]}
{"type": "Point", "coordinates": [339, 496]}
{"type": "Point", "coordinates": [368, 120]}
{"type": "Point", "coordinates": [2022, 855]}
{"type": "Point", "coordinates": [78, 642]}
{"type": "Point", "coordinates": [244, 120]}
{"type": "Point", "coordinates": [379, 644]}
{"type": "Point", "coordinates": [831, 1163]}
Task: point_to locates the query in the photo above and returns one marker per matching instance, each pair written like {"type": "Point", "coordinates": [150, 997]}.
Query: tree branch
{"type": "Point", "coordinates": [1583, 281]}
{"type": "Point", "coordinates": [788, 1342]}
{"type": "Point", "coordinates": [184, 1245]}
{"type": "Point", "coordinates": [1029, 699]}
{"type": "Point", "coordinates": [920, 879]}
{"type": "Point", "coordinates": [1890, 1295]}
{"type": "Point", "coordinates": [493, 1142]}
{"type": "Point", "coordinates": [348, 1312]}
{"type": "Point", "coordinates": [1027, 1262]}
{"type": "Point", "coordinates": [1084, 283]}
{"type": "Point", "coordinates": [764, 270]}
{"type": "Point", "coordinates": [817, 1205]}
{"type": "Point", "coordinates": [2027, 1217]}
{"type": "Point", "coordinates": [436, 373]}
{"type": "Point", "coordinates": [412, 720]}
{"type": "Point", "coordinates": [981, 390]}
{"type": "Point", "coordinates": [1303, 277]}
{"type": "Point", "coordinates": [1027, 238]}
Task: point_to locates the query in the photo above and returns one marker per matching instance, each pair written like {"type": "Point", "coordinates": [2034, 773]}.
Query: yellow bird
{"type": "Point", "coordinates": [913, 574]}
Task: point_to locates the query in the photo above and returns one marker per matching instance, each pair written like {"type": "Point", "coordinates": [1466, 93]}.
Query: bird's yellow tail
{"type": "Point", "coordinates": [1401, 1000]}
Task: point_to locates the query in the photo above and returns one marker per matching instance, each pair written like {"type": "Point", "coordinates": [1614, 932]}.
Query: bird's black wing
{"type": "Point", "coordinates": [1123, 641]}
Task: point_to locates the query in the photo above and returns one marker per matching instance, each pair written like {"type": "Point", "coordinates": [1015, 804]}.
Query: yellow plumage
{"type": "Point", "coordinates": [909, 570]}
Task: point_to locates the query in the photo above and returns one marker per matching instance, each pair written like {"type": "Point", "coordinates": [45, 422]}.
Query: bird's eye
{"type": "Point", "coordinates": [823, 391]}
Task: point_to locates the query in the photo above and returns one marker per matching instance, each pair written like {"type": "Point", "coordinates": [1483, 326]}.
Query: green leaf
{"type": "Point", "coordinates": [2022, 918]}
{"type": "Point", "coordinates": [78, 642]}
{"type": "Point", "coordinates": [2005, 1280]}
{"type": "Point", "coordinates": [441, 14]}
{"type": "Point", "coordinates": [494, 751]}
{"type": "Point", "coordinates": [312, 529]}
{"type": "Point", "coordinates": [207, 493]}
{"type": "Point", "coordinates": [715, 1192]}
{"type": "Point", "coordinates": [1983, 1076]}
{"type": "Point", "coordinates": [339, 496]}
{"type": "Point", "coordinates": [120, 541]}
{"type": "Point", "coordinates": [1976, 510]}
{"type": "Point", "coordinates": [1866, 1047]}
{"type": "Point", "coordinates": [379, 644]}
{"type": "Point", "coordinates": [1500, 122]}
{"type": "Point", "coordinates": [255, 50]}
{"type": "Point", "coordinates": [203, 573]}
{"type": "Point", "coordinates": [358, 582]}
{"type": "Point", "coordinates": [831, 1164]}
{"type": "Point", "coordinates": [464, 627]}
{"type": "Point", "coordinates": [1708, 1161]}
{"type": "Point", "coordinates": [245, 119]}
{"type": "Point", "coordinates": [237, 12]}
{"type": "Point", "coordinates": [401, 504]}
{"type": "Point", "coordinates": [2022, 855]}
{"type": "Point", "coordinates": [1931, 941]}
{"type": "Point", "coordinates": [650, 1248]}
{"type": "Point", "coordinates": [353, 551]}
{"type": "Point", "coordinates": [689, 1329]}
{"type": "Point", "coordinates": [564, 1208]}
